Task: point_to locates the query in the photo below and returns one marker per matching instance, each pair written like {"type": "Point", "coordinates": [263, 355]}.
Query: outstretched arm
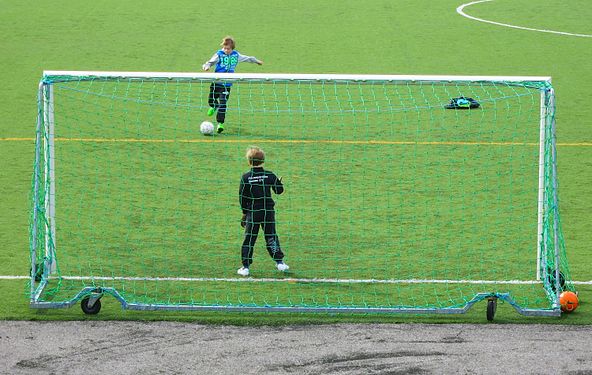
{"type": "Point", "coordinates": [249, 59]}
{"type": "Point", "coordinates": [213, 60]}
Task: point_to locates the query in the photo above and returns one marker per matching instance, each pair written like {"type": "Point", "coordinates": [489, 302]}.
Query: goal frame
{"type": "Point", "coordinates": [44, 180]}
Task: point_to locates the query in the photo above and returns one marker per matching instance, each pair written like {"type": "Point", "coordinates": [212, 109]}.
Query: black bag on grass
{"type": "Point", "coordinates": [462, 103]}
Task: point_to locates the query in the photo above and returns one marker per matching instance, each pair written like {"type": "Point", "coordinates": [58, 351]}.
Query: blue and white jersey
{"type": "Point", "coordinates": [226, 63]}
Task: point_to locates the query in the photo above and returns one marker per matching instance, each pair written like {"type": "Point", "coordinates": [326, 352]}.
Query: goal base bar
{"type": "Point", "coordinates": [88, 291]}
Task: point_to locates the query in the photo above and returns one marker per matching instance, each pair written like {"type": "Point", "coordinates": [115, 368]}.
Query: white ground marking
{"type": "Point", "coordinates": [296, 280]}
{"type": "Point", "coordinates": [460, 10]}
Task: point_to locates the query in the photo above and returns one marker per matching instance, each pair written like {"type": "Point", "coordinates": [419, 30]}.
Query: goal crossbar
{"type": "Point", "coordinates": [297, 77]}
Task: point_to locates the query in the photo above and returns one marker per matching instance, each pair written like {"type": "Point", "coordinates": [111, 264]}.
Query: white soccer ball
{"type": "Point", "coordinates": [206, 128]}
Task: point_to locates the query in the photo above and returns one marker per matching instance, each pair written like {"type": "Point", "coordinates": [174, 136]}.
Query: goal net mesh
{"type": "Point", "coordinates": [391, 200]}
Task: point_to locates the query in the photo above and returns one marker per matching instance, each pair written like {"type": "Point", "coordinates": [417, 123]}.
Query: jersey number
{"type": "Point", "coordinates": [228, 61]}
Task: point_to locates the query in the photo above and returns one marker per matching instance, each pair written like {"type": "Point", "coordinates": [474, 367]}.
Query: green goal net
{"type": "Point", "coordinates": [398, 198]}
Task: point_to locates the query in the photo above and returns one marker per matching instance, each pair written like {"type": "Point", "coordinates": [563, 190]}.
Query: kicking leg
{"type": "Point", "coordinates": [212, 99]}
{"type": "Point", "coordinates": [221, 115]}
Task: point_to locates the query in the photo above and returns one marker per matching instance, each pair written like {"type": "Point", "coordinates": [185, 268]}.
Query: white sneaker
{"type": "Point", "coordinates": [282, 266]}
{"type": "Point", "coordinates": [243, 271]}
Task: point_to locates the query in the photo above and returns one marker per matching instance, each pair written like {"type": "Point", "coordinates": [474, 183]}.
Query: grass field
{"type": "Point", "coordinates": [378, 38]}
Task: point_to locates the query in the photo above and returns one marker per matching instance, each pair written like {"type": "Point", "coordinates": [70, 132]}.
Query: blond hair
{"type": "Point", "coordinates": [255, 156]}
{"type": "Point", "coordinates": [228, 41]}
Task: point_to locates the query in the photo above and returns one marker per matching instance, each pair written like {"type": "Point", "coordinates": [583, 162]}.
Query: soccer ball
{"type": "Point", "coordinates": [569, 301]}
{"type": "Point", "coordinates": [206, 128]}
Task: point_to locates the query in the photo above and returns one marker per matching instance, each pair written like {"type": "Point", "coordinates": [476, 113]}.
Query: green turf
{"type": "Point", "coordinates": [390, 38]}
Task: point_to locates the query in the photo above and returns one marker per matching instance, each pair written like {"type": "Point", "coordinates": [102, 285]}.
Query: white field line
{"type": "Point", "coordinates": [295, 280]}
{"type": "Point", "coordinates": [460, 10]}
{"type": "Point", "coordinates": [297, 141]}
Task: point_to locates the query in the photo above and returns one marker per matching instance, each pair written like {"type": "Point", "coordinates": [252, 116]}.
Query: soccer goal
{"type": "Point", "coordinates": [403, 194]}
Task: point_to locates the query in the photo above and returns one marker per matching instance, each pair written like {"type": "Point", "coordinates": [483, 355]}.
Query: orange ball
{"type": "Point", "coordinates": [569, 301]}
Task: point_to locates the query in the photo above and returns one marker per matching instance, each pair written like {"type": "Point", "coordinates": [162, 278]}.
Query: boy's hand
{"type": "Point", "coordinates": [259, 62]}
{"type": "Point", "coordinates": [206, 67]}
{"type": "Point", "coordinates": [244, 220]}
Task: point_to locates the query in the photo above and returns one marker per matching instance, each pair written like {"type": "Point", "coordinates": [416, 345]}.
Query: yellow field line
{"type": "Point", "coordinates": [323, 141]}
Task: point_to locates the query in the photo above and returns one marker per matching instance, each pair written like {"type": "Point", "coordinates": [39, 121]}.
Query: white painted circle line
{"type": "Point", "coordinates": [460, 10]}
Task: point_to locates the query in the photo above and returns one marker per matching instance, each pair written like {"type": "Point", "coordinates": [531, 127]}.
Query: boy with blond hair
{"type": "Point", "coordinates": [226, 60]}
{"type": "Point", "coordinates": [258, 210]}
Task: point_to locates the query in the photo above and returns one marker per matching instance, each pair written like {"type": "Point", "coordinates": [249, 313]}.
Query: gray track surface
{"type": "Point", "coordinates": [186, 348]}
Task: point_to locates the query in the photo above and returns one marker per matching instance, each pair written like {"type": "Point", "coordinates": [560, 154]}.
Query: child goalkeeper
{"type": "Point", "coordinates": [258, 210]}
{"type": "Point", "coordinates": [226, 60]}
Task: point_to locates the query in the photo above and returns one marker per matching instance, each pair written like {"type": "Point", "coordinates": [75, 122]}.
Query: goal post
{"type": "Point", "coordinates": [395, 201]}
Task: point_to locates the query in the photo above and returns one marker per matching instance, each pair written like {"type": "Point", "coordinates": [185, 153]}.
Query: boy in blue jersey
{"type": "Point", "coordinates": [226, 60]}
{"type": "Point", "coordinates": [258, 210]}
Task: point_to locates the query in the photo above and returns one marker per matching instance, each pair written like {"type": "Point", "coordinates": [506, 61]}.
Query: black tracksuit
{"type": "Point", "coordinates": [258, 206]}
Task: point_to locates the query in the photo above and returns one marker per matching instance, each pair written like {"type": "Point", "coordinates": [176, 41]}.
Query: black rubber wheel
{"type": "Point", "coordinates": [90, 310]}
{"type": "Point", "coordinates": [491, 307]}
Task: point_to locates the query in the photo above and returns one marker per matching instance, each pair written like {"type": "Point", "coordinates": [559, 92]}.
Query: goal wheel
{"type": "Point", "coordinates": [491, 307]}
{"type": "Point", "coordinates": [91, 305]}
